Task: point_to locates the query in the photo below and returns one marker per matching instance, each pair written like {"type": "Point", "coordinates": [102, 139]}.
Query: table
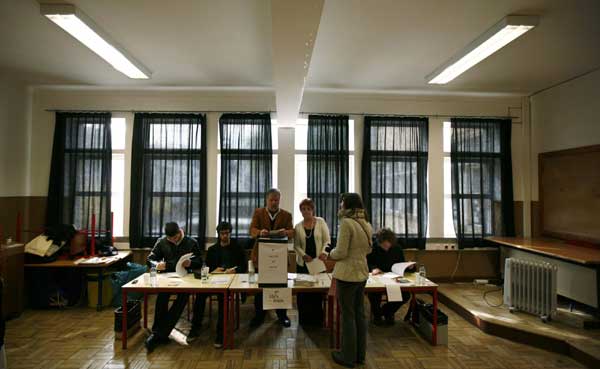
{"type": "Point", "coordinates": [240, 285]}
{"type": "Point", "coordinates": [99, 267]}
{"type": "Point", "coordinates": [374, 284]}
{"type": "Point", "coordinates": [578, 266]}
{"type": "Point", "coordinates": [217, 283]}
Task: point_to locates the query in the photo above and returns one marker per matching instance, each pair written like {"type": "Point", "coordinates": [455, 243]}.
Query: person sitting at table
{"type": "Point", "coordinates": [165, 254]}
{"type": "Point", "coordinates": [227, 257]}
{"type": "Point", "coordinates": [265, 221]}
{"type": "Point", "coordinates": [385, 253]}
{"type": "Point", "coordinates": [310, 240]}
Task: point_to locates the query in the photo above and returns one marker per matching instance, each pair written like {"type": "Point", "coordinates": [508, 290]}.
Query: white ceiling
{"type": "Point", "coordinates": [361, 44]}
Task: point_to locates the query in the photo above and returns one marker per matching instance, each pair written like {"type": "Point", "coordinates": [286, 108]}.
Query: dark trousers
{"type": "Point", "coordinates": [310, 305]}
{"type": "Point", "coordinates": [350, 296]}
{"type": "Point", "coordinates": [199, 306]}
{"type": "Point", "coordinates": [165, 318]}
{"type": "Point", "coordinates": [389, 308]}
{"type": "Point", "coordinates": [258, 308]}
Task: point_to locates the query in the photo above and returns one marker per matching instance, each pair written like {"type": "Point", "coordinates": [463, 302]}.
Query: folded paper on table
{"type": "Point", "coordinates": [315, 266]}
{"type": "Point", "coordinates": [399, 268]}
{"type": "Point", "coordinates": [277, 298]}
{"type": "Point", "coordinates": [179, 268]}
{"type": "Point", "coordinates": [218, 279]}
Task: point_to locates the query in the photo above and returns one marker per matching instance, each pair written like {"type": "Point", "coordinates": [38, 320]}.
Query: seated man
{"type": "Point", "coordinates": [265, 220]}
{"type": "Point", "coordinates": [225, 256]}
{"type": "Point", "coordinates": [165, 255]}
{"type": "Point", "coordinates": [385, 254]}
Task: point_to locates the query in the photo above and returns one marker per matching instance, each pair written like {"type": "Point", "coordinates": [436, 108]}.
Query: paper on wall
{"type": "Point", "coordinates": [277, 298]}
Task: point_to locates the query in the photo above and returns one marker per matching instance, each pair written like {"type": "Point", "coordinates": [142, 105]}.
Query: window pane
{"type": "Point", "coordinates": [300, 173]}
{"type": "Point", "coordinates": [301, 136]}
{"type": "Point", "coordinates": [175, 136]}
{"type": "Point", "coordinates": [447, 176]}
{"type": "Point", "coordinates": [117, 133]}
{"type": "Point", "coordinates": [117, 195]}
{"type": "Point", "coordinates": [447, 136]}
{"type": "Point", "coordinates": [448, 220]}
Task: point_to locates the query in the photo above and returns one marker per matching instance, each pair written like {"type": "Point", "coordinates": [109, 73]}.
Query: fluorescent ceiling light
{"type": "Point", "coordinates": [502, 33]}
{"type": "Point", "coordinates": [78, 25]}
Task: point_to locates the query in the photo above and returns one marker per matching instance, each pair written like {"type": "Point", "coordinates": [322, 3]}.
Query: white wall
{"type": "Point", "coordinates": [14, 134]}
{"type": "Point", "coordinates": [354, 104]}
{"type": "Point", "coordinates": [564, 117]}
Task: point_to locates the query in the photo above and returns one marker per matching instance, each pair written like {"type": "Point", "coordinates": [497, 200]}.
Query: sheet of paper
{"type": "Point", "coordinates": [390, 275]}
{"type": "Point", "coordinates": [394, 292]}
{"type": "Point", "coordinates": [277, 298]}
{"type": "Point", "coordinates": [399, 268]}
{"type": "Point", "coordinates": [221, 279]}
{"type": "Point", "coordinates": [179, 268]}
{"type": "Point", "coordinates": [315, 266]}
{"type": "Point", "coordinates": [272, 263]}
{"type": "Point", "coordinates": [292, 276]}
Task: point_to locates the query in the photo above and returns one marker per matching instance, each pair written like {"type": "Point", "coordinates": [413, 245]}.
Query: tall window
{"type": "Point", "coordinates": [246, 163]}
{"type": "Point", "coordinates": [301, 169]}
{"type": "Point", "coordinates": [327, 165]}
{"type": "Point", "coordinates": [481, 174]}
{"type": "Point", "coordinates": [448, 218]}
{"type": "Point", "coordinates": [80, 174]}
{"type": "Point", "coordinates": [394, 176]}
{"type": "Point", "coordinates": [168, 177]}
{"type": "Point", "coordinates": [118, 132]}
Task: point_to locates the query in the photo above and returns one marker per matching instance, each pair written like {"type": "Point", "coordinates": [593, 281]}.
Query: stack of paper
{"type": "Point", "coordinates": [305, 280]}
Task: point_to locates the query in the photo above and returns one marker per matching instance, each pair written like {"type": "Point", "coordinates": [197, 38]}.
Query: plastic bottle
{"type": "Point", "coordinates": [153, 277]}
{"type": "Point", "coordinates": [204, 272]}
{"type": "Point", "coordinates": [251, 275]}
{"type": "Point", "coordinates": [422, 274]}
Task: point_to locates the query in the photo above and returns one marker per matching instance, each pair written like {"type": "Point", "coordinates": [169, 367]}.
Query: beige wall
{"type": "Point", "coordinates": [564, 117]}
{"type": "Point", "coordinates": [355, 104]}
{"type": "Point", "coordinates": [13, 136]}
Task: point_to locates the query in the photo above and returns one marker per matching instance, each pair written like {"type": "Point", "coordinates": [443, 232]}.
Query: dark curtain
{"type": "Point", "coordinates": [327, 165]}
{"type": "Point", "coordinates": [246, 168]}
{"type": "Point", "coordinates": [168, 176]}
{"type": "Point", "coordinates": [394, 176]}
{"type": "Point", "coordinates": [80, 173]}
{"type": "Point", "coordinates": [482, 190]}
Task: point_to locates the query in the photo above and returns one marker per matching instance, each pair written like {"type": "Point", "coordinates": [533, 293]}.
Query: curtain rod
{"type": "Point", "coordinates": [271, 111]}
{"type": "Point", "coordinates": [155, 111]}
{"type": "Point", "coordinates": [417, 115]}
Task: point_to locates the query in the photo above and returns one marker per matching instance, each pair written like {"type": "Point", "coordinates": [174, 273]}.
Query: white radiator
{"type": "Point", "coordinates": [530, 286]}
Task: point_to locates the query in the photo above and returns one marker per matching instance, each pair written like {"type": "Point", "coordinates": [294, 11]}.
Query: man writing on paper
{"type": "Point", "coordinates": [227, 257]}
{"type": "Point", "coordinates": [275, 222]}
{"type": "Point", "coordinates": [385, 254]}
{"type": "Point", "coordinates": [165, 255]}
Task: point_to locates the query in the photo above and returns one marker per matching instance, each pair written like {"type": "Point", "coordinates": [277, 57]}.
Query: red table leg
{"type": "Point", "coordinates": [236, 318]}
{"type": "Point", "coordinates": [413, 306]}
{"type": "Point", "coordinates": [145, 310]}
{"type": "Point", "coordinates": [338, 314]}
{"type": "Point", "coordinates": [226, 338]}
{"type": "Point", "coordinates": [124, 319]}
{"type": "Point", "coordinates": [435, 313]}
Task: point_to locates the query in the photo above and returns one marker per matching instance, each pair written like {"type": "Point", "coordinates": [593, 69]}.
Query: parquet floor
{"type": "Point", "coordinates": [83, 338]}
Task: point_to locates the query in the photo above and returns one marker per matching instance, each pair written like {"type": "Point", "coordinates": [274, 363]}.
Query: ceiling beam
{"type": "Point", "coordinates": [294, 31]}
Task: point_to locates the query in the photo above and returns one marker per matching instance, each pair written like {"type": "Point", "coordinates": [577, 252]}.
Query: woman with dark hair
{"type": "Point", "coordinates": [311, 239]}
{"type": "Point", "coordinates": [385, 254]}
{"type": "Point", "coordinates": [351, 273]}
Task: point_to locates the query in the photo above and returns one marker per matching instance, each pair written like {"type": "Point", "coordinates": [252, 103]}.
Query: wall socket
{"type": "Point", "coordinates": [441, 246]}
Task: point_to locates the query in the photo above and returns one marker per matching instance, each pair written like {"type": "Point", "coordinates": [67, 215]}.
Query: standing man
{"type": "Point", "coordinates": [266, 221]}
{"type": "Point", "coordinates": [165, 255]}
{"type": "Point", "coordinates": [226, 257]}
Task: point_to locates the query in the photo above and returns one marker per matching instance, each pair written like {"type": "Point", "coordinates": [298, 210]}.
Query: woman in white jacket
{"type": "Point", "coordinates": [310, 240]}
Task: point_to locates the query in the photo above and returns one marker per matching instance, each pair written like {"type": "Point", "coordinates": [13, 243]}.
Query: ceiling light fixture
{"type": "Point", "coordinates": [74, 22]}
{"type": "Point", "coordinates": [495, 38]}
